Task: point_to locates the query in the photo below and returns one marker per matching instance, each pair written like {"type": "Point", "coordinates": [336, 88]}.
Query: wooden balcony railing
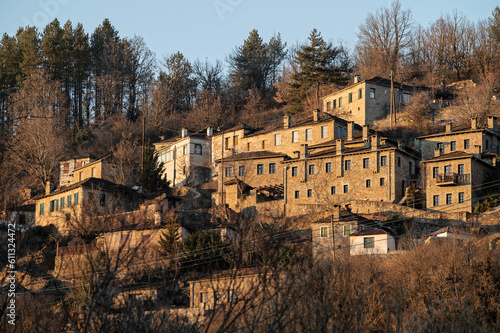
{"type": "Point", "coordinates": [452, 179]}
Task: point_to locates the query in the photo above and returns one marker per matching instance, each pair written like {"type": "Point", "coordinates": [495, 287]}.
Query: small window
{"type": "Point", "coordinates": [241, 170]}
{"type": "Point", "coordinates": [435, 172]}
{"type": "Point", "coordinates": [308, 134]}
{"type": "Point", "coordinates": [369, 242]}
{"type": "Point", "coordinates": [272, 167]}
{"type": "Point", "coordinates": [198, 149]}
{"type": "Point", "coordinates": [203, 297]}
{"type": "Point", "coordinates": [324, 232]}
{"type": "Point", "coordinates": [399, 161]}
{"type": "Point", "coordinates": [184, 170]}
{"type": "Point", "coordinates": [449, 199]}
{"type": "Point", "coordinates": [368, 183]}
{"type": "Point", "coordinates": [42, 208]}
{"type": "Point", "coordinates": [236, 141]}
{"type": "Point", "coordinates": [453, 145]}
{"type": "Point", "coordinates": [295, 136]}
{"type": "Point", "coordinates": [346, 188]}
{"type": "Point", "coordinates": [227, 143]}
{"type": "Point", "coordinates": [295, 171]}
{"type": "Point", "coordinates": [350, 97]}
{"type": "Point", "coordinates": [185, 150]}
{"type": "Point", "coordinates": [461, 169]}
{"type": "Point", "coordinates": [218, 297]}
{"type": "Point", "coordinates": [466, 144]}
{"type": "Point", "coordinates": [229, 172]}
{"type": "Point", "coordinates": [332, 190]}
{"type": "Point", "coordinates": [440, 146]}
{"type": "Point", "coordinates": [309, 193]}
{"type": "Point", "coordinates": [277, 139]}
{"type": "Point", "coordinates": [383, 160]}
{"type": "Point", "coordinates": [52, 206]}
{"type": "Point", "coordinates": [248, 146]}
{"type": "Point", "coordinates": [75, 197]}
{"type": "Point", "coordinates": [334, 103]}
{"type": "Point", "coordinates": [68, 200]}
{"type": "Point", "coordinates": [328, 167]}
{"type": "Point", "coordinates": [230, 296]}
{"type": "Point", "coordinates": [56, 204]}
{"type": "Point", "coordinates": [297, 194]}
{"type": "Point", "coordinates": [311, 169]}
{"type": "Point", "coordinates": [324, 132]}
{"type": "Point", "coordinates": [487, 144]}
{"type": "Point", "coordinates": [340, 101]}
{"type": "Point", "coordinates": [366, 163]}
{"type": "Point", "coordinates": [382, 181]}
{"type": "Point", "coordinates": [360, 93]}
{"type": "Point", "coordinates": [372, 92]}
{"type": "Point", "coordinates": [448, 170]}
{"type": "Point", "coordinates": [461, 197]}
{"type": "Point", "coordinates": [63, 203]}
{"type": "Point", "coordinates": [435, 200]}
{"type": "Point", "coordinates": [263, 144]}
{"type": "Point", "coordinates": [328, 106]}
{"type": "Point", "coordinates": [260, 169]}
{"type": "Point", "coordinates": [347, 165]}
{"type": "Point", "coordinates": [102, 200]}
{"type": "Point", "coordinates": [347, 230]}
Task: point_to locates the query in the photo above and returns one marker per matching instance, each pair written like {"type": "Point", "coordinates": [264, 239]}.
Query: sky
{"type": "Point", "coordinates": [212, 29]}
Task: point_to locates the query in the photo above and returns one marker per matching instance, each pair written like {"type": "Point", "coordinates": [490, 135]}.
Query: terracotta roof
{"type": "Point", "coordinates": [375, 231]}
{"type": "Point", "coordinates": [449, 156]}
{"type": "Point", "coordinates": [253, 155]}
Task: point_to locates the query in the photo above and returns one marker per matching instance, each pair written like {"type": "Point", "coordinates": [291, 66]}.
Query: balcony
{"type": "Point", "coordinates": [452, 179]}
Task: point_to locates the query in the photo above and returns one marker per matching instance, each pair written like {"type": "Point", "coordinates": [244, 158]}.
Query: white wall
{"type": "Point", "coordinates": [382, 244]}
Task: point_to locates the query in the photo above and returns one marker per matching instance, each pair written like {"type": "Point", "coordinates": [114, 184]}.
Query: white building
{"type": "Point", "coordinates": [449, 233]}
{"type": "Point", "coordinates": [374, 241]}
{"type": "Point", "coordinates": [186, 159]}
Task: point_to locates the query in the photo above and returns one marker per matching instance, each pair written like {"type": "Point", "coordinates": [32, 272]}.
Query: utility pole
{"type": "Point", "coordinates": [392, 100]}
{"type": "Point", "coordinates": [143, 131]}
{"type": "Point", "coordinates": [333, 237]}
{"type": "Point", "coordinates": [222, 172]}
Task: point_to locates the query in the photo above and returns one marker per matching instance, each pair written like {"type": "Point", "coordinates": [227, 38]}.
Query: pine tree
{"type": "Point", "coordinates": [317, 64]}
{"type": "Point", "coordinates": [151, 178]}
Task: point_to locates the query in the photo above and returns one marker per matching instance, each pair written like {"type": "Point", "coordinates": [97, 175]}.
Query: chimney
{"type": "Point", "coordinates": [286, 121]}
{"type": "Point", "coordinates": [473, 124]}
{"type": "Point", "coordinates": [158, 214]}
{"type": "Point", "coordinates": [357, 79]}
{"type": "Point", "coordinates": [401, 145]}
{"type": "Point", "coordinates": [304, 151]}
{"type": "Point", "coordinates": [49, 187]}
{"type": "Point", "coordinates": [366, 131]}
{"type": "Point", "coordinates": [350, 131]}
{"type": "Point", "coordinates": [449, 127]}
{"type": "Point", "coordinates": [336, 213]}
{"type": "Point", "coordinates": [492, 123]}
{"type": "Point", "coordinates": [339, 143]}
{"type": "Point", "coordinates": [375, 142]}
{"type": "Point", "coordinates": [210, 131]}
{"type": "Point", "coordinates": [437, 152]}
{"type": "Point", "coordinates": [184, 133]}
{"type": "Point", "coordinates": [315, 115]}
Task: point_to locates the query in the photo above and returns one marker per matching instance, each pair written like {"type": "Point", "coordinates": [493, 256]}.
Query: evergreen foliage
{"type": "Point", "coordinates": [205, 250]}
{"type": "Point", "coordinates": [151, 178]}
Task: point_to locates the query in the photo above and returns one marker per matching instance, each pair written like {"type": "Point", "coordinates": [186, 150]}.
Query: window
{"type": "Point", "coordinates": [453, 145]}
{"type": "Point", "coordinates": [324, 132]}
{"type": "Point", "coordinates": [366, 163]}
{"type": "Point", "coordinates": [75, 197]}
{"type": "Point", "coordinates": [203, 297]}
{"type": "Point", "coordinates": [461, 197]}
{"type": "Point", "coordinates": [185, 150]}
{"type": "Point", "coordinates": [295, 136]}
{"type": "Point", "coordinates": [347, 165]}
{"type": "Point", "coordinates": [63, 203]}
{"type": "Point", "coordinates": [42, 208]}
{"type": "Point", "coordinates": [466, 144]}
{"type": "Point", "coordinates": [332, 190]}
{"type": "Point", "coordinates": [449, 199]}
{"type": "Point", "coordinates": [399, 161]}
{"type": "Point", "coordinates": [323, 232]}
{"type": "Point", "coordinates": [229, 172]}
{"type": "Point", "coordinates": [184, 170]}
{"type": "Point", "coordinates": [347, 230]}
{"type": "Point", "coordinates": [383, 160]}
{"type": "Point", "coordinates": [460, 169]}
{"type": "Point", "coordinates": [309, 193]}
{"type": "Point", "coordinates": [56, 204]}
{"type": "Point", "coordinates": [248, 146]}
{"type": "Point", "coordinates": [369, 242]}
{"type": "Point", "coordinates": [360, 93]}
{"type": "Point", "coordinates": [227, 143]}
{"type": "Point", "coordinates": [241, 170]}
{"type": "Point", "coordinates": [372, 92]}
{"type": "Point", "coordinates": [295, 171]}
{"type": "Point", "coordinates": [440, 147]}
{"type": "Point", "coordinates": [382, 181]}
{"type": "Point", "coordinates": [339, 132]}
{"type": "Point", "coordinates": [263, 144]}
{"type": "Point", "coordinates": [350, 97]}
{"type": "Point", "coordinates": [230, 296]}
{"type": "Point", "coordinates": [368, 183]}
{"type": "Point", "coordinates": [435, 172]}
{"type": "Point", "coordinates": [311, 169]}
{"type": "Point", "coordinates": [447, 170]}
{"type": "Point", "coordinates": [68, 200]}
{"type": "Point", "coordinates": [328, 167]}
{"type": "Point", "coordinates": [277, 139]}
{"type": "Point", "coordinates": [334, 103]}
{"type": "Point", "coordinates": [309, 134]}
{"type": "Point", "coordinates": [435, 200]}
{"type": "Point", "coordinates": [410, 166]}
{"type": "Point", "coordinates": [260, 169]}
{"type": "Point", "coordinates": [328, 106]}
{"type": "Point", "coordinates": [102, 200]}
{"type": "Point", "coordinates": [297, 194]}
{"type": "Point", "coordinates": [236, 140]}
{"type": "Point", "coordinates": [218, 297]}
{"type": "Point", "coordinates": [346, 188]}
{"type": "Point", "coordinates": [340, 101]}
{"type": "Point", "coordinates": [486, 145]}
{"type": "Point", "coordinates": [198, 149]}
{"type": "Point", "coordinates": [272, 167]}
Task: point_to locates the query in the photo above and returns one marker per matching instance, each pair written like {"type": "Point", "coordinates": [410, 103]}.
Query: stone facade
{"type": "Point", "coordinates": [67, 168]}
{"type": "Point", "coordinates": [186, 160]}
{"type": "Point", "coordinates": [366, 101]}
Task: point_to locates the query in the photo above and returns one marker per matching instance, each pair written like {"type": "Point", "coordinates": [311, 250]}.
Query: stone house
{"type": "Point", "coordinates": [373, 241]}
{"type": "Point", "coordinates": [366, 101]}
{"type": "Point", "coordinates": [452, 181]}
{"type": "Point", "coordinates": [363, 166]}
{"type": "Point", "coordinates": [469, 139]}
{"type": "Point", "coordinates": [68, 167]}
{"type": "Point", "coordinates": [186, 159]}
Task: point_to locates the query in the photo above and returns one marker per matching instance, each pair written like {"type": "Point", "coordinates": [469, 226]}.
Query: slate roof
{"type": "Point", "coordinates": [253, 155]}
{"type": "Point", "coordinates": [375, 231]}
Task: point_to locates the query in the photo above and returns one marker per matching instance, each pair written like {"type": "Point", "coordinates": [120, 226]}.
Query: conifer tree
{"type": "Point", "coordinates": [151, 178]}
